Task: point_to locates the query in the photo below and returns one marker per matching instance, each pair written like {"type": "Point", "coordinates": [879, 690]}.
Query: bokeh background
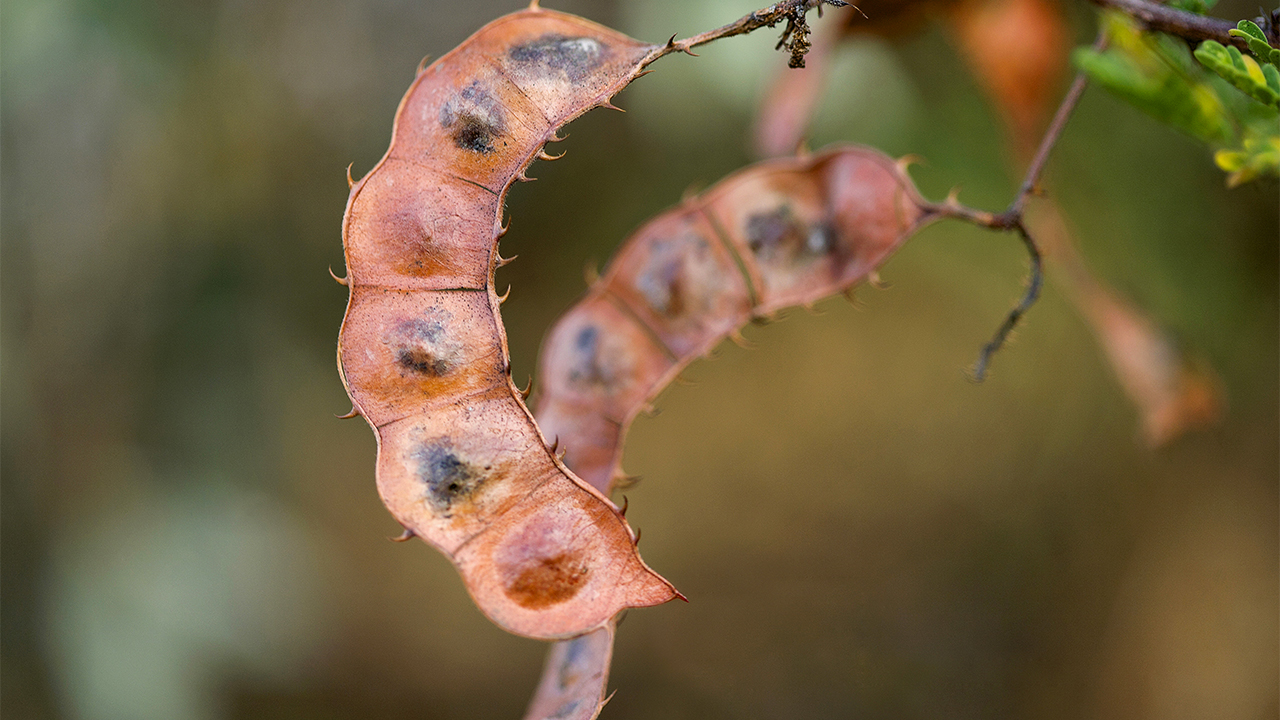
{"type": "Point", "coordinates": [189, 534]}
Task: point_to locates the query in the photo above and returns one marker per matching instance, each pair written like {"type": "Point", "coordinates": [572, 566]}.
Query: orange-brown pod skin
{"type": "Point", "coordinates": [422, 351]}
{"type": "Point", "coordinates": [780, 233]}
{"type": "Point", "coordinates": [575, 678]}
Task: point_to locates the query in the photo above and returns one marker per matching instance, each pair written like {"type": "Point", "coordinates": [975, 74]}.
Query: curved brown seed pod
{"type": "Point", "coordinates": [423, 353]}
{"type": "Point", "coordinates": [777, 234]}
{"type": "Point", "coordinates": [574, 678]}
{"type": "Point", "coordinates": [781, 233]}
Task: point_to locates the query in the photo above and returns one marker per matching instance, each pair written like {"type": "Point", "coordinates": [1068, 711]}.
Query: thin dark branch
{"type": "Point", "coordinates": [1187, 25]}
{"type": "Point", "coordinates": [1034, 283]}
{"type": "Point", "coordinates": [1032, 177]}
{"type": "Point", "coordinates": [1012, 217]}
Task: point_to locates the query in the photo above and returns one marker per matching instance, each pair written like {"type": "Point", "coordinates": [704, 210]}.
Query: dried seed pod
{"type": "Point", "coordinates": [777, 234]}
{"type": "Point", "coordinates": [575, 677]}
{"type": "Point", "coordinates": [781, 233]}
{"type": "Point", "coordinates": [423, 353]}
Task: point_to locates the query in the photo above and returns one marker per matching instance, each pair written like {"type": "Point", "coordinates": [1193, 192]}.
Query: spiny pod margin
{"type": "Point", "coordinates": [423, 353]}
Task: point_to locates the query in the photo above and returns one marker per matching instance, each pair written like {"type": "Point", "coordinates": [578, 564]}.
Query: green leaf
{"type": "Point", "coordinates": [1248, 28]}
{"type": "Point", "coordinates": [1257, 41]}
{"type": "Point", "coordinates": [1258, 155]}
{"type": "Point", "coordinates": [1241, 71]}
{"type": "Point", "coordinates": [1156, 74]}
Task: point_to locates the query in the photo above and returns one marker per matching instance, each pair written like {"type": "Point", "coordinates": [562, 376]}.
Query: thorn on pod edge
{"type": "Point", "coordinates": [905, 162]}
{"type": "Point", "coordinates": [610, 106]}
{"type": "Point", "coordinates": [740, 341]}
{"type": "Point", "coordinates": [875, 281]}
{"type": "Point", "coordinates": [543, 155]}
{"type": "Point", "coordinates": [625, 504]}
{"type": "Point", "coordinates": [422, 64]}
{"type": "Point", "coordinates": [503, 298]}
{"type": "Point", "coordinates": [350, 183]}
{"type": "Point", "coordinates": [354, 413]}
{"type": "Point", "coordinates": [621, 480]}
{"type": "Point", "coordinates": [591, 272]}
{"type": "Point", "coordinates": [555, 445]}
{"type": "Point", "coordinates": [503, 262]}
{"type": "Point", "coordinates": [528, 388]}
{"type": "Point", "coordinates": [341, 280]}
{"type": "Point", "coordinates": [406, 535]}
{"type": "Point", "coordinates": [524, 178]}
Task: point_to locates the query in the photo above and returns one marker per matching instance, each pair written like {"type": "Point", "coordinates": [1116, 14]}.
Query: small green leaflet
{"type": "Point", "coordinates": [1260, 82]}
{"type": "Point", "coordinates": [1257, 41]}
{"type": "Point", "coordinates": [1155, 74]}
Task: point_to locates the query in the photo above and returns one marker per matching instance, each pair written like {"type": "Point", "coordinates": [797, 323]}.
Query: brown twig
{"type": "Point", "coordinates": [1034, 283]}
{"type": "Point", "coordinates": [1189, 25]}
{"type": "Point", "coordinates": [795, 36]}
{"type": "Point", "coordinates": [1050, 139]}
{"type": "Point", "coordinates": [1012, 217]}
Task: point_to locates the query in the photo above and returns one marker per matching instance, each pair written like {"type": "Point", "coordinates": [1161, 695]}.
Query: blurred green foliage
{"type": "Point", "coordinates": [1155, 73]}
{"type": "Point", "coordinates": [1199, 7]}
{"type": "Point", "coordinates": [1262, 83]}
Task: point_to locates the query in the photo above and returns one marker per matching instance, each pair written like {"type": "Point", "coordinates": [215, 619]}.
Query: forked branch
{"type": "Point", "coordinates": [1012, 217]}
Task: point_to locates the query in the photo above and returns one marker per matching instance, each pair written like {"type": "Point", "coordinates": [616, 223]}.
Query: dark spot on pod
{"type": "Point", "coordinates": [778, 236]}
{"type": "Point", "coordinates": [422, 362]}
{"type": "Point", "coordinates": [587, 368]}
{"type": "Point", "coordinates": [662, 285]}
{"type": "Point", "coordinates": [821, 239]}
{"type": "Point", "coordinates": [566, 710]}
{"type": "Point", "coordinates": [448, 478]}
{"type": "Point", "coordinates": [423, 345]}
{"type": "Point", "coordinates": [572, 653]}
{"type": "Point", "coordinates": [473, 134]}
{"type": "Point", "coordinates": [475, 119]}
{"type": "Point", "coordinates": [548, 581]}
{"type": "Point", "coordinates": [587, 339]}
{"type": "Point", "coordinates": [574, 57]}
